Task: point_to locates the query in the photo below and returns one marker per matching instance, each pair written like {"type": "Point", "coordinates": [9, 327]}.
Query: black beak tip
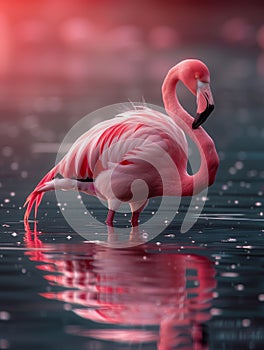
{"type": "Point", "coordinates": [196, 122]}
{"type": "Point", "coordinates": [200, 118]}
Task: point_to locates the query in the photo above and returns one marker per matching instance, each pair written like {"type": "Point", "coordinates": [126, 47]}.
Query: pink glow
{"type": "Point", "coordinates": [5, 45]}
{"type": "Point", "coordinates": [260, 37]}
{"type": "Point", "coordinates": [124, 37]}
{"type": "Point", "coordinates": [33, 31]}
{"type": "Point", "coordinates": [237, 30]}
{"type": "Point", "coordinates": [77, 31]}
{"type": "Point", "coordinates": [164, 37]}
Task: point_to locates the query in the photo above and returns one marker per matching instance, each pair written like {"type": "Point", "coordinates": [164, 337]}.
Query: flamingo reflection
{"type": "Point", "coordinates": [142, 296]}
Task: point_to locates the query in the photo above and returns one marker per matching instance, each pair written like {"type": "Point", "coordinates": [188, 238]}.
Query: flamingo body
{"type": "Point", "coordinates": [118, 160]}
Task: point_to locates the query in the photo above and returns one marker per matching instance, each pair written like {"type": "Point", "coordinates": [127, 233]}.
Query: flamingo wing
{"type": "Point", "coordinates": [119, 150]}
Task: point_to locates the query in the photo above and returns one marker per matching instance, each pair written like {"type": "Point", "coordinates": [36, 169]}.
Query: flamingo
{"type": "Point", "coordinates": [107, 160]}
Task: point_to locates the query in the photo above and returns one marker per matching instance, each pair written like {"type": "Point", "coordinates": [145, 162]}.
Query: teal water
{"type": "Point", "coordinates": [198, 290]}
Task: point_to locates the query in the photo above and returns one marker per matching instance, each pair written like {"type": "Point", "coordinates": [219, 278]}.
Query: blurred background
{"type": "Point", "coordinates": [60, 60]}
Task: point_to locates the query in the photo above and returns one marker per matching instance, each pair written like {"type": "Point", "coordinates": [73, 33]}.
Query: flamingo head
{"type": "Point", "coordinates": [195, 75]}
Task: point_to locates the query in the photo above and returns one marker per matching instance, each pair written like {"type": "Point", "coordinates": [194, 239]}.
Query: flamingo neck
{"type": "Point", "coordinates": [204, 177]}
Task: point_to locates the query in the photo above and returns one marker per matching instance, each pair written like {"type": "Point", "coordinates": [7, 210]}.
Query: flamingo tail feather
{"type": "Point", "coordinates": [36, 195]}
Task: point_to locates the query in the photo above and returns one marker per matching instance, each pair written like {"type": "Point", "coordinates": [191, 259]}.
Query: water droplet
{"type": "Point", "coordinates": [229, 274]}
{"type": "Point", "coordinates": [69, 237]}
{"type": "Point", "coordinates": [239, 165]}
{"type": "Point", "coordinates": [14, 234]}
{"type": "Point", "coordinates": [258, 204]}
{"type": "Point", "coordinates": [261, 297]}
{"type": "Point", "coordinates": [24, 174]}
{"type": "Point", "coordinates": [215, 312]}
{"type": "Point", "coordinates": [246, 322]}
{"type": "Point", "coordinates": [6, 200]}
{"type": "Point", "coordinates": [218, 257]}
{"type": "Point", "coordinates": [240, 287]}
{"type": "Point", "coordinates": [170, 235]}
{"type": "Point", "coordinates": [245, 246]}
{"type": "Point", "coordinates": [145, 235]}
{"type": "Point", "coordinates": [232, 171]}
{"type": "Point", "coordinates": [14, 166]}
{"type": "Point", "coordinates": [4, 316]}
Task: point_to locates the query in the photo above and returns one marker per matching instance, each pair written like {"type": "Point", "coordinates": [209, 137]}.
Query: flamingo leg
{"type": "Point", "coordinates": [113, 205]}
{"type": "Point", "coordinates": [110, 218]}
{"type": "Point", "coordinates": [134, 218]}
{"type": "Point", "coordinates": [136, 209]}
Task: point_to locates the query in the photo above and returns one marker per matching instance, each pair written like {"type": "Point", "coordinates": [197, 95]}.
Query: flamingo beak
{"type": "Point", "coordinates": [205, 103]}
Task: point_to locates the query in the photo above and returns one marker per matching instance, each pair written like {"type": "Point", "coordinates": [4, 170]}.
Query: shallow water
{"type": "Point", "coordinates": [198, 290]}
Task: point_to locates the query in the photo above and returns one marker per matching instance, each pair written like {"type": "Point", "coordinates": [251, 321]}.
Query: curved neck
{"type": "Point", "coordinates": [209, 159]}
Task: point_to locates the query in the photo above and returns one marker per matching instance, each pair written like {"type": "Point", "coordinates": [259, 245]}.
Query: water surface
{"type": "Point", "coordinates": [198, 290]}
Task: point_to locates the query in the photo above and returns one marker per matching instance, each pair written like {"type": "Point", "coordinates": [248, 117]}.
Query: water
{"type": "Point", "coordinates": [198, 290]}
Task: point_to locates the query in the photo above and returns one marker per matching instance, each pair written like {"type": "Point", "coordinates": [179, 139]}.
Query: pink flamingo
{"type": "Point", "coordinates": [106, 160]}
